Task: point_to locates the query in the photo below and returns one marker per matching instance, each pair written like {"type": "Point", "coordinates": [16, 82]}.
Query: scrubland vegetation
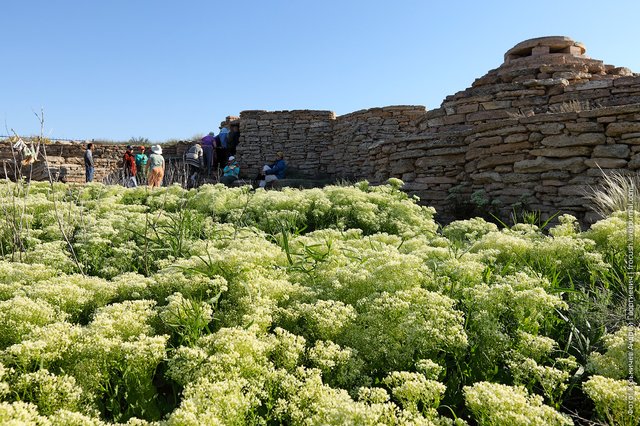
{"type": "Point", "coordinates": [341, 305]}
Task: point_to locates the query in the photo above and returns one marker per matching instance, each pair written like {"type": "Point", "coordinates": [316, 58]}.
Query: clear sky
{"type": "Point", "coordinates": [116, 69]}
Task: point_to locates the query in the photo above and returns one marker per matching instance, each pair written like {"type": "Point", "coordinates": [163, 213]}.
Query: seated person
{"type": "Point", "coordinates": [273, 172]}
{"type": "Point", "coordinates": [231, 171]}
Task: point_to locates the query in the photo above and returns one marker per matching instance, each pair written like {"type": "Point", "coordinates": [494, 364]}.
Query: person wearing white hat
{"type": "Point", "coordinates": [155, 167]}
{"type": "Point", "coordinates": [231, 171]}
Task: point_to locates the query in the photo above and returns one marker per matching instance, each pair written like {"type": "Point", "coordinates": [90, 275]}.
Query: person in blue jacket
{"type": "Point", "coordinates": [273, 172]}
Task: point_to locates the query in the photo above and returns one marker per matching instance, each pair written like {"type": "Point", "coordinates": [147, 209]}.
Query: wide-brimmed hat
{"type": "Point", "coordinates": [156, 149]}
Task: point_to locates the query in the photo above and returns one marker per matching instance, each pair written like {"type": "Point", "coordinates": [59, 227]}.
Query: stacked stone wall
{"type": "Point", "coordinates": [537, 131]}
{"type": "Point", "coordinates": [64, 160]}
{"type": "Point", "coordinates": [303, 135]}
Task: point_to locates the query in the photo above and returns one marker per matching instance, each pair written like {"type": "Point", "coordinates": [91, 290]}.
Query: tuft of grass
{"type": "Point", "coordinates": [615, 193]}
{"type": "Point", "coordinates": [572, 106]}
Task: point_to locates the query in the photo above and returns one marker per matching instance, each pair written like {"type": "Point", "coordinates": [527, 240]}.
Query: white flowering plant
{"type": "Point", "coordinates": [341, 305]}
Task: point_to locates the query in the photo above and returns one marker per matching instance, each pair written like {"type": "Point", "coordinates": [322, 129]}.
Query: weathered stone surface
{"type": "Point", "coordinates": [560, 81]}
{"type": "Point", "coordinates": [634, 164]}
{"type": "Point", "coordinates": [487, 115]}
{"type": "Point", "coordinates": [606, 163]}
{"type": "Point", "coordinates": [486, 177]}
{"type": "Point", "coordinates": [562, 152]}
{"type": "Point", "coordinates": [402, 166]}
{"type": "Point", "coordinates": [483, 142]}
{"type": "Point", "coordinates": [542, 164]}
{"type": "Point", "coordinates": [571, 190]}
{"type": "Point", "coordinates": [518, 137]}
{"type": "Point", "coordinates": [613, 151]}
{"type": "Point", "coordinates": [495, 160]}
{"type": "Point", "coordinates": [512, 147]}
{"type": "Point", "coordinates": [619, 128]}
{"type": "Point", "coordinates": [584, 127]}
{"type": "Point", "coordinates": [488, 106]}
{"type": "Point", "coordinates": [568, 140]}
{"type": "Point", "coordinates": [547, 128]}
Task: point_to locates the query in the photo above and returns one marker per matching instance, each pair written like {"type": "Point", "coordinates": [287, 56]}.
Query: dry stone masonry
{"type": "Point", "coordinates": [537, 131]}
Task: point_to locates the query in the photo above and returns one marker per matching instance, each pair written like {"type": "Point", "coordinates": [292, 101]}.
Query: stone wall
{"type": "Point", "coordinates": [64, 160]}
{"type": "Point", "coordinates": [303, 136]}
{"type": "Point", "coordinates": [536, 131]}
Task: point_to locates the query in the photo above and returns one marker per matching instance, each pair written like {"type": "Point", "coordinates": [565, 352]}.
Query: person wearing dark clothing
{"type": "Point", "coordinates": [222, 152]}
{"type": "Point", "coordinates": [273, 172]}
{"type": "Point", "coordinates": [233, 139]}
{"type": "Point", "coordinates": [89, 165]}
{"type": "Point", "coordinates": [130, 169]}
{"type": "Point", "coordinates": [208, 144]}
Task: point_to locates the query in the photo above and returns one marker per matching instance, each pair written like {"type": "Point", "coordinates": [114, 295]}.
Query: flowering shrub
{"type": "Point", "coordinates": [340, 305]}
{"type": "Point", "coordinates": [496, 404]}
{"type": "Point", "coordinates": [617, 401]}
{"type": "Point", "coordinates": [614, 363]}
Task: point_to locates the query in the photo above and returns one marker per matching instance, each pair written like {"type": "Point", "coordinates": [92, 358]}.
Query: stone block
{"type": "Point", "coordinates": [487, 115]}
{"type": "Point", "coordinates": [611, 151]}
{"type": "Point", "coordinates": [518, 137]}
{"type": "Point", "coordinates": [467, 108]}
{"type": "Point", "coordinates": [511, 178]}
{"type": "Point", "coordinates": [494, 160]}
{"type": "Point", "coordinates": [513, 147]}
{"type": "Point", "coordinates": [547, 128]}
{"type": "Point", "coordinates": [620, 128]}
{"type": "Point", "coordinates": [584, 127]}
{"type": "Point", "coordinates": [453, 119]}
{"type": "Point", "coordinates": [437, 180]}
{"type": "Point", "coordinates": [482, 142]}
{"type": "Point", "coordinates": [606, 163]}
{"type": "Point", "coordinates": [591, 85]}
{"type": "Point", "coordinates": [634, 164]}
{"type": "Point", "coordinates": [485, 177]}
{"type": "Point", "coordinates": [428, 162]}
{"type": "Point", "coordinates": [543, 164]}
{"type": "Point", "coordinates": [573, 190]}
{"type": "Point", "coordinates": [562, 152]}
{"type": "Point", "coordinates": [493, 105]}
{"type": "Point", "coordinates": [402, 166]}
{"type": "Point", "coordinates": [558, 141]}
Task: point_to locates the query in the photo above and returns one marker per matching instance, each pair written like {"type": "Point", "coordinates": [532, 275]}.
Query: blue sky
{"type": "Point", "coordinates": [116, 69]}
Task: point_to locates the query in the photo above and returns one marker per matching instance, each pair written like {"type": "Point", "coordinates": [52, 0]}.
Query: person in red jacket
{"type": "Point", "coordinates": [130, 169]}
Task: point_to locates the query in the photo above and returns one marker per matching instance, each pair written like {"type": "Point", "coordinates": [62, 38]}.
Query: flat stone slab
{"type": "Point", "coordinates": [543, 45]}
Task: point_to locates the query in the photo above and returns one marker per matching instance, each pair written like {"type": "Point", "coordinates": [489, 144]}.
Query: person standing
{"type": "Point", "coordinates": [155, 167]}
{"type": "Point", "coordinates": [89, 165]}
{"type": "Point", "coordinates": [233, 139]}
{"type": "Point", "coordinates": [222, 152]}
{"type": "Point", "coordinates": [208, 148]}
{"type": "Point", "coordinates": [130, 170]}
{"type": "Point", "coordinates": [141, 164]}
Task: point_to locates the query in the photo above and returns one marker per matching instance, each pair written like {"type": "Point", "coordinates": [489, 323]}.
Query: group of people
{"type": "Point", "coordinates": [218, 148]}
{"type": "Point", "coordinates": [136, 167]}
{"type": "Point", "coordinates": [217, 151]}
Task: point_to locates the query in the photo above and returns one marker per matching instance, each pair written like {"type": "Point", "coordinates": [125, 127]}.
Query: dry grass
{"type": "Point", "coordinates": [617, 192]}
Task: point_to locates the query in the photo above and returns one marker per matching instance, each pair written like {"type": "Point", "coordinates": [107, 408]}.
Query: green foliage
{"type": "Point", "coordinates": [341, 305]}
